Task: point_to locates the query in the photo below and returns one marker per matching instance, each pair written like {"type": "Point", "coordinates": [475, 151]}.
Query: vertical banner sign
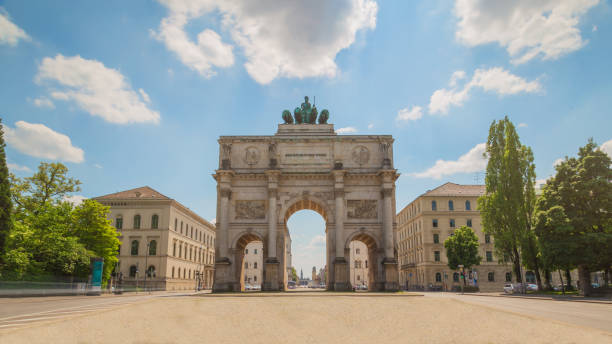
{"type": "Point", "coordinates": [96, 275]}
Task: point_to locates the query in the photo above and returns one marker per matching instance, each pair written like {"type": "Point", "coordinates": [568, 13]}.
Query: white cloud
{"type": "Point", "coordinates": [316, 242]}
{"type": "Point", "coordinates": [607, 148]}
{"type": "Point", "coordinates": [97, 166]}
{"type": "Point", "coordinates": [497, 80]}
{"type": "Point", "coordinates": [39, 141]}
{"type": "Point", "coordinates": [43, 102]}
{"type": "Point", "coordinates": [406, 114]}
{"type": "Point", "coordinates": [16, 167]}
{"type": "Point", "coordinates": [294, 39]}
{"type": "Point", "coordinates": [457, 75]}
{"type": "Point", "coordinates": [10, 34]}
{"type": "Point", "coordinates": [540, 182]}
{"type": "Point", "coordinates": [558, 161]}
{"type": "Point", "coordinates": [213, 221]}
{"type": "Point", "coordinates": [472, 161]}
{"type": "Point", "coordinates": [99, 90]}
{"type": "Point", "coordinates": [594, 28]}
{"type": "Point", "coordinates": [346, 130]}
{"type": "Point", "coordinates": [74, 199]}
{"type": "Point", "coordinates": [522, 125]}
{"type": "Point", "coordinates": [371, 125]}
{"type": "Point", "coordinates": [526, 28]}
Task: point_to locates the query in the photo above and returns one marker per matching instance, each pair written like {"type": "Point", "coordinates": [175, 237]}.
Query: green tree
{"type": "Point", "coordinates": [93, 229]}
{"type": "Point", "coordinates": [294, 275]}
{"type": "Point", "coordinates": [462, 249]}
{"type": "Point", "coordinates": [577, 204]}
{"type": "Point", "coordinates": [507, 206]}
{"type": "Point", "coordinates": [5, 198]}
{"type": "Point", "coordinates": [49, 184]}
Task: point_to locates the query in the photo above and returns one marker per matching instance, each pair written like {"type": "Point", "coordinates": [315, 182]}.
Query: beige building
{"type": "Point", "coordinates": [253, 263]}
{"type": "Point", "coordinates": [164, 244]}
{"type": "Point", "coordinates": [424, 224]}
{"type": "Point", "coordinates": [359, 263]}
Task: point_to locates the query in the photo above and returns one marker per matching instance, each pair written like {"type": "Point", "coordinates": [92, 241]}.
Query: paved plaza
{"type": "Point", "coordinates": [321, 317]}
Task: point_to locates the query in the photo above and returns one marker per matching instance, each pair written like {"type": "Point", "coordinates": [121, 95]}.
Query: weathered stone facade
{"type": "Point", "coordinates": [262, 180]}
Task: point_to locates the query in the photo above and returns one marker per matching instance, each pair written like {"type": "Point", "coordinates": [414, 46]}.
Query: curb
{"type": "Point", "coordinates": [546, 298]}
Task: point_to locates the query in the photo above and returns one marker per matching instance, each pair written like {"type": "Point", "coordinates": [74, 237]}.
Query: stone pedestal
{"type": "Point", "coordinates": [273, 275]}
{"type": "Point", "coordinates": [223, 281]}
{"type": "Point", "coordinates": [391, 274]}
{"type": "Point", "coordinates": [341, 275]}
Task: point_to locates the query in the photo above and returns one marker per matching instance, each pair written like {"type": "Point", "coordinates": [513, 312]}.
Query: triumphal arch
{"type": "Point", "coordinates": [348, 179]}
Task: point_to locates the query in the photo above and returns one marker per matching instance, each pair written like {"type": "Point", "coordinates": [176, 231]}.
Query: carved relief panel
{"type": "Point", "coordinates": [362, 209]}
{"type": "Point", "coordinates": [250, 210]}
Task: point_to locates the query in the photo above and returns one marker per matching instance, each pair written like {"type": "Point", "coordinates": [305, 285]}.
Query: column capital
{"type": "Point", "coordinates": [388, 176]}
{"type": "Point", "coordinates": [386, 192]}
{"type": "Point", "coordinates": [225, 192]}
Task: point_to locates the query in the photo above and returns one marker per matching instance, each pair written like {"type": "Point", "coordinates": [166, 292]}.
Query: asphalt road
{"type": "Point", "coordinates": [593, 315]}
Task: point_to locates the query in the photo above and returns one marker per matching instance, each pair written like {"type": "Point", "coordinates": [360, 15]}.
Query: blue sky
{"type": "Point", "coordinates": [132, 93]}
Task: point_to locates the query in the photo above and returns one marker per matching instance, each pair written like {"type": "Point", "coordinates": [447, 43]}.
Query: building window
{"type": "Point", "coordinates": [174, 249]}
{"type": "Point", "coordinates": [246, 251]}
{"type": "Point", "coordinates": [173, 272]}
{"type": "Point", "coordinates": [255, 251]}
{"type": "Point", "coordinates": [358, 277]}
{"type": "Point", "coordinates": [152, 248]}
{"type": "Point", "coordinates": [456, 277]}
{"type": "Point", "coordinates": [133, 271]}
{"type": "Point", "coordinates": [491, 276]}
{"type": "Point", "coordinates": [366, 264]}
{"type": "Point", "coordinates": [357, 251]}
{"type": "Point", "coordinates": [246, 265]}
{"type": "Point", "coordinates": [151, 271]}
{"type": "Point", "coordinates": [436, 238]}
{"type": "Point", "coordinates": [468, 206]}
{"type": "Point", "coordinates": [489, 256]}
{"type": "Point", "coordinates": [452, 223]}
{"type": "Point", "coordinates": [487, 238]}
{"type": "Point", "coordinates": [134, 251]}
{"type": "Point", "coordinates": [136, 221]}
{"type": "Point", "coordinates": [119, 222]}
{"type": "Point", "coordinates": [508, 277]}
{"type": "Point", "coordinates": [438, 277]}
{"type": "Point", "coordinates": [180, 251]}
{"type": "Point", "coordinates": [190, 253]}
{"type": "Point", "coordinates": [434, 205]}
{"type": "Point", "coordinates": [451, 205]}
{"type": "Point", "coordinates": [255, 278]}
{"type": "Point", "coordinates": [181, 227]}
{"type": "Point", "coordinates": [437, 256]}
{"type": "Point", "coordinates": [434, 223]}
{"type": "Point", "coordinates": [469, 223]}
{"type": "Point", "coordinates": [255, 265]}
{"type": "Point", "coordinates": [155, 221]}
{"type": "Point", "coordinates": [175, 224]}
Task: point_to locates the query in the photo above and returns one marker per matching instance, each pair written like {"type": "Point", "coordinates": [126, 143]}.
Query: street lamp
{"type": "Point", "coordinates": [462, 276]}
{"type": "Point", "coordinates": [146, 266]}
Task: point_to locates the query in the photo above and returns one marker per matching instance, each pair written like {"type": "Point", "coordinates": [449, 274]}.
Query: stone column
{"type": "Point", "coordinates": [388, 222]}
{"type": "Point", "coordinates": [224, 279]}
{"type": "Point", "coordinates": [273, 277]}
{"type": "Point", "coordinates": [391, 276]}
{"type": "Point", "coordinates": [223, 223]}
{"type": "Point", "coordinates": [341, 273]}
{"type": "Point", "coordinates": [272, 223]}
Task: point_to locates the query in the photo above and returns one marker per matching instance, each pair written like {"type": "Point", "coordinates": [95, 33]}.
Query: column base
{"type": "Point", "coordinates": [223, 277]}
{"type": "Point", "coordinates": [272, 275]}
{"type": "Point", "coordinates": [341, 276]}
{"type": "Point", "coordinates": [391, 274]}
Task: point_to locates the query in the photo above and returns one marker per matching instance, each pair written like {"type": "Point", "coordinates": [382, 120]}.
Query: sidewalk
{"type": "Point", "coordinates": [571, 298]}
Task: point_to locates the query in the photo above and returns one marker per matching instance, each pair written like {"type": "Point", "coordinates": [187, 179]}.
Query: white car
{"type": "Point", "coordinates": [508, 288]}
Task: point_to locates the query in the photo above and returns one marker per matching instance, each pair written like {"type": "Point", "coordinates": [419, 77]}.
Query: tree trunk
{"type": "Point", "coordinates": [584, 278]}
{"type": "Point", "coordinates": [547, 278]}
{"type": "Point", "coordinates": [538, 277]}
{"type": "Point", "coordinates": [562, 285]}
{"type": "Point", "coordinates": [606, 277]}
{"type": "Point", "coordinates": [568, 279]}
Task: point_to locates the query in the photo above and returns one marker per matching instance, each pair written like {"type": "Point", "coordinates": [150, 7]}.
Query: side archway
{"type": "Point", "coordinates": [375, 257]}
{"type": "Point", "coordinates": [238, 246]}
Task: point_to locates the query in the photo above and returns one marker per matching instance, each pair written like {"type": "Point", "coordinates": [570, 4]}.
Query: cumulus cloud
{"type": "Point", "coordinates": [346, 130]}
{"type": "Point", "coordinates": [496, 80]}
{"type": "Point", "coordinates": [295, 39]}
{"type": "Point", "coordinates": [97, 166]}
{"type": "Point", "coordinates": [18, 168]}
{"type": "Point", "coordinates": [557, 162]}
{"type": "Point", "coordinates": [526, 28]}
{"type": "Point", "coordinates": [607, 148]}
{"type": "Point", "coordinates": [10, 34]}
{"type": "Point", "coordinates": [522, 125]}
{"type": "Point", "coordinates": [39, 141]}
{"type": "Point", "coordinates": [74, 199]}
{"type": "Point", "coordinates": [99, 90]}
{"type": "Point", "coordinates": [371, 125]}
{"type": "Point", "coordinates": [472, 161]}
{"type": "Point", "coordinates": [43, 102]}
{"type": "Point", "coordinates": [410, 114]}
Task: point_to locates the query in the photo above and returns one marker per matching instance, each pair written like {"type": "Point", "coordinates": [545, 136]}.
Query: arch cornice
{"type": "Point", "coordinates": [248, 235]}
{"type": "Point", "coordinates": [366, 236]}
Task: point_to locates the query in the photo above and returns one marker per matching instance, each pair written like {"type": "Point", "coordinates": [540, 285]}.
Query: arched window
{"type": "Point", "coordinates": [133, 271]}
{"type": "Point", "coordinates": [255, 265]}
{"type": "Point", "coordinates": [456, 277]}
{"type": "Point", "coordinates": [174, 249]}
{"type": "Point", "coordinates": [136, 221]}
{"type": "Point", "coordinates": [366, 263]}
{"type": "Point", "coordinates": [438, 277]}
{"type": "Point", "coordinates": [181, 227]}
{"type": "Point", "coordinates": [184, 273]}
{"type": "Point", "coordinates": [179, 272]}
{"type": "Point", "coordinates": [255, 278]}
{"type": "Point", "coordinates": [491, 276]}
{"type": "Point", "coordinates": [155, 221]}
{"type": "Point", "coordinates": [152, 248]}
{"type": "Point", "coordinates": [175, 224]}
{"type": "Point", "coordinates": [134, 250]}
{"type": "Point", "coordinates": [434, 205]}
{"type": "Point", "coordinates": [468, 206]}
{"type": "Point", "coordinates": [189, 273]}
{"type": "Point", "coordinates": [508, 277]}
{"type": "Point", "coordinates": [151, 271]}
{"type": "Point", "coordinates": [173, 272]}
{"type": "Point", "coordinates": [119, 222]}
{"type": "Point", "coordinates": [180, 251]}
{"type": "Point", "coordinates": [451, 205]}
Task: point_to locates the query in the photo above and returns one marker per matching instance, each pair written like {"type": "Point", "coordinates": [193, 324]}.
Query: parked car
{"type": "Point", "coordinates": [532, 287]}
{"type": "Point", "coordinates": [508, 288]}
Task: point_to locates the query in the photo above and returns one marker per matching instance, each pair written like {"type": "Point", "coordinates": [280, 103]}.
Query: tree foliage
{"type": "Point", "coordinates": [5, 197]}
{"type": "Point", "coordinates": [574, 219]}
{"type": "Point", "coordinates": [462, 248]}
{"type": "Point", "coordinates": [507, 206]}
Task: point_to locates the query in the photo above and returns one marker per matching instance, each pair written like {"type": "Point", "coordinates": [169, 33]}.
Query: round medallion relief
{"type": "Point", "coordinates": [251, 155]}
{"type": "Point", "coordinates": [361, 155]}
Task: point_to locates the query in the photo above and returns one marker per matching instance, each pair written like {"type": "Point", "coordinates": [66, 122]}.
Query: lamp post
{"type": "Point", "coordinates": [462, 277]}
{"type": "Point", "coordinates": [146, 266]}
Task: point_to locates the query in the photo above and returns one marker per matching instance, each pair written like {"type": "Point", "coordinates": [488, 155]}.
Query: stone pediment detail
{"type": "Point", "coordinates": [250, 210]}
{"type": "Point", "coordinates": [362, 209]}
